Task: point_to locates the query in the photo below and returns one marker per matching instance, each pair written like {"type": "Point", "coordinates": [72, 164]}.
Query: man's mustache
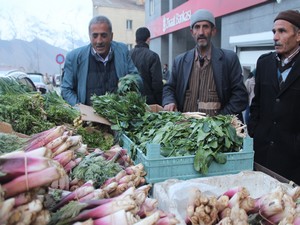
{"type": "Point", "coordinates": [201, 37]}
{"type": "Point", "coordinates": [100, 45]}
{"type": "Point", "coordinates": [277, 44]}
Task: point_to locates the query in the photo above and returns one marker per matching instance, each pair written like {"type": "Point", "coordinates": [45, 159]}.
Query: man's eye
{"type": "Point", "coordinates": [95, 35]}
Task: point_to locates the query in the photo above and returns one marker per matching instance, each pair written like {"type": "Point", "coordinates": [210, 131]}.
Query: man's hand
{"type": "Point", "coordinates": [170, 107]}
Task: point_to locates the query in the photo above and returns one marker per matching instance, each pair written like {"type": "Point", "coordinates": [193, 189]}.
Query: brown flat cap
{"type": "Point", "coordinates": [292, 16]}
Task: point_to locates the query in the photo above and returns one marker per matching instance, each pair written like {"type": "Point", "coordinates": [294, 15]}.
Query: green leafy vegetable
{"type": "Point", "coordinates": [94, 167]}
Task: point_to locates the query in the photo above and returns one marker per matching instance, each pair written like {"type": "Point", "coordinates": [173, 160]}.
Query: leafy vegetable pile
{"type": "Point", "coordinates": [32, 112]}
{"type": "Point", "coordinates": [94, 167]}
{"type": "Point", "coordinates": [207, 138]}
{"type": "Point", "coordinates": [11, 142]}
{"type": "Point", "coordinates": [123, 111]}
{"type": "Point", "coordinates": [96, 137]}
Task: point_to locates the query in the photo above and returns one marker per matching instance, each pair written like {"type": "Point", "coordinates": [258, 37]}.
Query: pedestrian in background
{"type": "Point", "coordinates": [166, 73]}
{"type": "Point", "coordinates": [249, 83]}
{"type": "Point", "coordinates": [274, 112]}
{"type": "Point", "coordinates": [148, 65]}
{"type": "Point", "coordinates": [96, 67]}
{"type": "Point", "coordinates": [206, 79]}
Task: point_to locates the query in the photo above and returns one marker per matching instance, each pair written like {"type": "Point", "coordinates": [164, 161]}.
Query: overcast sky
{"type": "Point", "coordinates": [73, 15]}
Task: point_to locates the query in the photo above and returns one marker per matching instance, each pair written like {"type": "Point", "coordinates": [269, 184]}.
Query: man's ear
{"type": "Point", "coordinates": [298, 36]}
{"type": "Point", "coordinates": [214, 31]}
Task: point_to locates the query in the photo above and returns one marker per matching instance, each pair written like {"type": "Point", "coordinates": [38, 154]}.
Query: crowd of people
{"type": "Point", "coordinates": [204, 79]}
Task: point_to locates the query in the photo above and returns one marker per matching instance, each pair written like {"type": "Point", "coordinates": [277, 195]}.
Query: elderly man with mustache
{"type": "Point", "coordinates": [206, 79]}
{"type": "Point", "coordinates": [97, 67]}
{"type": "Point", "coordinates": [274, 120]}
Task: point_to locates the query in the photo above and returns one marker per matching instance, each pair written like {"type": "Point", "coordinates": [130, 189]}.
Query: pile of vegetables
{"type": "Point", "coordinates": [236, 206]}
{"type": "Point", "coordinates": [124, 108]}
{"type": "Point", "coordinates": [208, 138]}
{"type": "Point", "coordinates": [123, 111]}
{"type": "Point", "coordinates": [32, 112]}
{"type": "Point", "coordinates": [53, 179]}
{"type": "Point", "coordinates": [24, 178]}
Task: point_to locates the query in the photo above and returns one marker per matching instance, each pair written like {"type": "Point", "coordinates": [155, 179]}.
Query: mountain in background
{"type": "Point", "coordinates": [31, 43]}
{"type": "Point", "coordinates": [34, 56]}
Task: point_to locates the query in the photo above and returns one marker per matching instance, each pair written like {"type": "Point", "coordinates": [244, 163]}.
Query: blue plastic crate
{"type": "Point", "coordinates": [161, 168]}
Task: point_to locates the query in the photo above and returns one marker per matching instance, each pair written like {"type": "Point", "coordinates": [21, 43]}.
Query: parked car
{"type": "Point", "coordinates": [40, 82]}
{"type": "Point", "coordinates": [21, 77]}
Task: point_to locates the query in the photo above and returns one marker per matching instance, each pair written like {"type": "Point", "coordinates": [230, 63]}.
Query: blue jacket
{"type": "Point", "coordinates": [73, 88]}
{"type": "Point", "coordinates": [227, 75]}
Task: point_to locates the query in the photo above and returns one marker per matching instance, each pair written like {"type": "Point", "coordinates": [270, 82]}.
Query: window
{"type": "Point", "coordinates": [129, 24]}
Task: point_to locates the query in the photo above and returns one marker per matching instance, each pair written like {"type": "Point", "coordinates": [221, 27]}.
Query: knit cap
{"type": "Point", "coordinates": [202, 15]}
{"type": "Point", "coordinates": [292, 16]}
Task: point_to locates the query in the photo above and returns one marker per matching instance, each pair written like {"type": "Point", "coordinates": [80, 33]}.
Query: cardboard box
{"type": "Point", "coordinates": [88, 114]}
{"type": "Point", "coordinates": [156, 108]}
{"type": "Point", "coordinates": [7, 128]}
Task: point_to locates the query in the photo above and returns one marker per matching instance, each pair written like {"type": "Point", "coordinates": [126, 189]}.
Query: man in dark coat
{"type": "Point", "coordinates": [149, 66]}
{"type": "Point", "coordinates": [206, 79]}
{"type": "Point", "coordinates": [275, 110]}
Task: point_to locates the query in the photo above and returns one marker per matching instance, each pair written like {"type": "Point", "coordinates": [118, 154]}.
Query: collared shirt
{"type": "Point", "coordinates": [99, 57]}
{"type": "Point", "coordinates": [286, 65]}
{"type": "Point", "coordinates": [288, 59]}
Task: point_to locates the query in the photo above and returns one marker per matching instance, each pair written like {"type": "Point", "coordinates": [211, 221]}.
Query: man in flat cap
{"type": "Point", "coordinates": [275, 109]}
{"type": "Point", "coordinates": [206, 79]}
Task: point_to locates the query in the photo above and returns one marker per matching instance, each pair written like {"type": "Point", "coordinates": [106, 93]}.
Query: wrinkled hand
{"type": "Point", "coordinates": [170, 107]}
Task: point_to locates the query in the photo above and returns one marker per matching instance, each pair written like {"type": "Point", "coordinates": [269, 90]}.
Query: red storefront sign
{"type": "Point", "coordinates": [179, 17]}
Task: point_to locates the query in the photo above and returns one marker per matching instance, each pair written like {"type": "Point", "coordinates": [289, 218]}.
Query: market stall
{"type": "Point", "coordinates": [122, 160]}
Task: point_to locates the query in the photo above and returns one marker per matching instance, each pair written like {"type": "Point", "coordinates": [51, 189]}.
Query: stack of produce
{"type": "Point", "coordinates": [24, 179]}
{"type": "Point", "coordinates": [50, 192]}
{"type": "Point", "coordinates": [236, 206]}
{"type": "Point", "coordinates": [31, 112]}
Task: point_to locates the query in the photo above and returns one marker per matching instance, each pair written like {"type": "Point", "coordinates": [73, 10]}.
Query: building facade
{"type": "Point", "coordinates": [243, 26]}
{"type": "Point", "coordinates": [126, 17]}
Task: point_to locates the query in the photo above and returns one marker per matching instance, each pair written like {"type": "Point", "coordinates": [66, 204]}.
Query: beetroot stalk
{"type": "Point", "coordinates": [31, 180]}
{"type": "Point", "coordinates": [43, 138]}
{"type": "Point", "coordinates": [106, 209]}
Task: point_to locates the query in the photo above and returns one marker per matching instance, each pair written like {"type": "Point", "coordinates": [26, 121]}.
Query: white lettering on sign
{"type": "Point", "coordinates": [176, 19]}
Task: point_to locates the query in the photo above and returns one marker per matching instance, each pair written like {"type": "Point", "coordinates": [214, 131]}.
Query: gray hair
{"type": "Point", "coordinates": [100, 19]}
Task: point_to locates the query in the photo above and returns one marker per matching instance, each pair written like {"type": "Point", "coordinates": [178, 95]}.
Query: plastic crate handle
{"type": "Point", "coordinates": [153, 151]}
{"type": "Point", "coordinates": [248, 144]}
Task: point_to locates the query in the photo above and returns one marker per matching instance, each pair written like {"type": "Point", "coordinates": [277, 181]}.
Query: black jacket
{"type": "Point", "coordinates": [148, 64]}
{"type": "Point", "coordinates": [274, 120]}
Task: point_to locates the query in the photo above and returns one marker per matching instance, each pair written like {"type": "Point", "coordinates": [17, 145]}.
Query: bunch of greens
{"type": "Point", "coordinates": [58, 110]}
{"type": "Point", "coordinates": [123, 111]}
{"type": "Point", "coordinates": [30, 112]}
{"type": "Point", "coordinates": [124, 108]}
{"type": "Point", "coordinates": [94, 167]}
{"type": "Point", "coordinates": [25, 112]}
{"type": "Point", "coordinates": [11, 142]}
{"type": "Point", "coordinates": [128, 83]}
{"type": "Point", "coordinates": [10, 85]}
{"type": "Point", "coordinates": [96, 137]}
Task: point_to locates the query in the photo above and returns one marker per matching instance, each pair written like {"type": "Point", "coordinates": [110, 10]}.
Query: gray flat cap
{"type": "Point", "coordinates": [202, 15]}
